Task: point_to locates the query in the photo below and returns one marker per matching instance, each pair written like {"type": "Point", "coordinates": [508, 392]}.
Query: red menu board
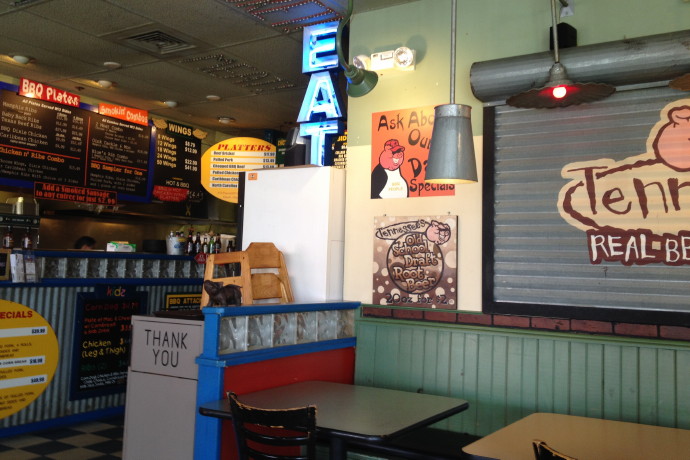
{"type": "Point", "coordinates": [53, 143]}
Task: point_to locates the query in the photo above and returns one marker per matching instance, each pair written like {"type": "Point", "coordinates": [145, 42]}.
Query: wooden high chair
{"type": "Point", "coordinates": [263, 276]}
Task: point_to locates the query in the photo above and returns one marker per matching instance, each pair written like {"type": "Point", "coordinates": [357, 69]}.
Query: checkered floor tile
{"type": "Point", "coordinates": [97, 440]}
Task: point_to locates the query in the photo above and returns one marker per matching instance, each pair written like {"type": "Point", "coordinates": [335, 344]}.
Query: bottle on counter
{"type": "Point", "coordinates": [216, 246]}
{"type": "Point", "coordinates": [189, 246]}
{"type": "Point", "coordinates": [212, 245]}
{"type": "Point", "coordinates": [204, 246]}
{"type": "Point", "coordinates": [27, 241]}
{"type": "Point", "coordinates": [197, 243]}
{"type": "Point", "coordinates": [8, 239]}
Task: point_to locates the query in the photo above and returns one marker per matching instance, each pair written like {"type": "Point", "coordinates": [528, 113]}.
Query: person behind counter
{"type": "Point", "coordinates": [85, 243]}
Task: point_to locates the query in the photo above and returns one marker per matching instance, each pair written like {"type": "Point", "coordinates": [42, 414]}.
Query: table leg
{"type": "Point", "coordinates": [338, 448]}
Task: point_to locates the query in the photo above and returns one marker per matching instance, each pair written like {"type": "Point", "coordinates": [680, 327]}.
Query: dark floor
{"type": "Point", "coordinates": [94, 440]}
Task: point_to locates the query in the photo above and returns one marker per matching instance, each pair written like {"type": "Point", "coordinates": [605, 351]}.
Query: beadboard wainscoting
{"type": "Point", "coordinates": [506, 374]}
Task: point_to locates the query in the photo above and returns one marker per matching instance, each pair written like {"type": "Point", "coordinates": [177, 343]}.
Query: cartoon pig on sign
{"type": "Point", "coordinates": [672, 143]}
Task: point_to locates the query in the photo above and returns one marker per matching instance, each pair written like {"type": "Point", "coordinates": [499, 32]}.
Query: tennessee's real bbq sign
{"type": "Point", "coordinates": [636, 211]}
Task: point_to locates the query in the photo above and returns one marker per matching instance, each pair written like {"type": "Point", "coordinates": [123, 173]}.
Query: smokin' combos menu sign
{"type": "Point", "coordinates": [53, 143]}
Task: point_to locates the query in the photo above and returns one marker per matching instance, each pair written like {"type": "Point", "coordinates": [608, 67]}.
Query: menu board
{"type": "Point", "coordinates": [177, 158]}
{"type": "Point", "coordinates": [222, 164]}
{"type": "Point", "coordinates": [102, 340]}
{"type": "Point", "coordinates": [53, 143]}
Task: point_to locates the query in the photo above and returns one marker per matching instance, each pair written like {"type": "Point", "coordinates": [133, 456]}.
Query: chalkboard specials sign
{"type": "Point", "coordinates": [53, 143]}
{"type": "Point", "coordinates": [102, 340]}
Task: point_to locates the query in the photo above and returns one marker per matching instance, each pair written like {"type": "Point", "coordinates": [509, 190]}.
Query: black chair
{"type": "Point", "coordinates": [543, 451]}
{"type": "Point", "coordinates": [270, 434]}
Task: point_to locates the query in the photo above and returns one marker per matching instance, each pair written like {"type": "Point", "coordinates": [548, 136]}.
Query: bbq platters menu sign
{"type": "Point", "coordinates": [41, 141]}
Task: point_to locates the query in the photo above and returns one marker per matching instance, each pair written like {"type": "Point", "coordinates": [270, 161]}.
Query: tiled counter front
{"type": "Point", "coordinates": [94, 265]}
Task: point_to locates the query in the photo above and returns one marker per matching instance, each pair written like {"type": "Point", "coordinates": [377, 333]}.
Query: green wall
{"type": "Point", "coordinates": [505, 374]}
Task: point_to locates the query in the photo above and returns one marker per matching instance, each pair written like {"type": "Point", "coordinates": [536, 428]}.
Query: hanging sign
{"type": "Point", "coordinates": [28, 356]}
{"type": "Point", "coordinates": [415, 261]}
{"type": "Point", "coordinates": [222, 163]}
{"type": "Point", "coordinates": [177, 162]}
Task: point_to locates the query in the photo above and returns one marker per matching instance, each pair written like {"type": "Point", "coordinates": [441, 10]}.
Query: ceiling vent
{"type": "Point", "coordinates": [159, 42]}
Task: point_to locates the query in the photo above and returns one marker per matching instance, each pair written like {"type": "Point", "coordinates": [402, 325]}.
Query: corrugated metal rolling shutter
{"type": "Point", "coordinates": [537, 257]}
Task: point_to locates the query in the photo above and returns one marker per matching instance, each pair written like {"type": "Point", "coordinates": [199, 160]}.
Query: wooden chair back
{"type": "Point", "coordinates": [269, 273]}
{"type": "Point", "coordinates": [273, 433]}
{"type": "Point", "coordinates": [223, 262]}
{"type": "Point", "coordinates": [262, 274]}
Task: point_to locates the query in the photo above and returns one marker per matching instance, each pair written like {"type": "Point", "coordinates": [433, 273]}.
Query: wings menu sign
{"type": "Point", "coordinates": [635, 211]}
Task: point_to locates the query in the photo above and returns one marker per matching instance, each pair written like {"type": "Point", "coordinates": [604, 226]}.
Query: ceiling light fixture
{"type": "Point", "coordinates": [451, 154]}
{"type": "Point", "coordinates": [19, 59]}
{"type": "Point", "coordinates": [559, 90]}
{"type": "Point", "coordinates": [212, 97]}
{"type": "Point", "coordinates": [112, 65]}
{"type": "Point", "coordinates": [171, 104]}
{"type": "Point", "coordinates": [105, 83]}
{"type": "Point", "coordinates": [359, 81]}
{"type": "Point", "coordinates": [225, 120]}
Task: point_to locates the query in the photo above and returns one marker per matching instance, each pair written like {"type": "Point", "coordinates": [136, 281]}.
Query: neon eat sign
{"type": "Point", "coordinates": [320, 114]}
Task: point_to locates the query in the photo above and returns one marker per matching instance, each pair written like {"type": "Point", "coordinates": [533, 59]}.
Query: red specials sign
{"type": "Point", "coordinates": [400, 142]}
{"type": "Point", "coordinates": [43, 92]}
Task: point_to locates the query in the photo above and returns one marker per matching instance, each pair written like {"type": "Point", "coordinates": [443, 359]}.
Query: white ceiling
{"type": "Point", "coordinates": [248, 52]}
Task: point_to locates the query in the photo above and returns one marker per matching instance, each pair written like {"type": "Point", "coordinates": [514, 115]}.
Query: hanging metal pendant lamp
{"type": "Point", "coordinates": [559, 90]}
{"type": "Point", "coordinates": [451, 153]}
{"type": "Point", "coordinates": [359, 81]}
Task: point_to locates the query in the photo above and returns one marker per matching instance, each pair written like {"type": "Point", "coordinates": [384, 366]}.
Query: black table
{"type": "Point", "coordinates": [355, 414]}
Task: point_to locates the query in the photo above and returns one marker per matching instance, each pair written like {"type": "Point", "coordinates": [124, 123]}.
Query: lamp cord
{"type": "Point", "coordinates": [453, 27]}
{"type": "Point", "coordinates": [554, 28]}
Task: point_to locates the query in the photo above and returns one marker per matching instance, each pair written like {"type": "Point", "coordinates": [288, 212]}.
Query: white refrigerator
{"type": "Point", "coordinates": [302, 211]}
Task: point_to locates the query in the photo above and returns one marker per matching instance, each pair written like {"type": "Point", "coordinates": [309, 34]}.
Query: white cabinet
{"type": "Point", "coordinates": [302, 211]}
{"type": "Point", "coordinates": [161, 388]}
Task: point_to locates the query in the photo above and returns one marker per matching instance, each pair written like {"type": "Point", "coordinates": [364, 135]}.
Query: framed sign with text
{"type": "Point", "coordinates": [400, 141]}
{"type": "Point", "coordinates": [415, 261]}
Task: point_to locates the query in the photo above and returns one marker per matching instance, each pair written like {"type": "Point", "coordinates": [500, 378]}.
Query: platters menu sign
{"type": "Point", "coordinates": [102, 340]}
{"type": "Point", "coordinates": [177, 170]}
{"type": "Point", "coordinates": [223, 162]}
{"type": "Point", "coordinates": [54, 143]}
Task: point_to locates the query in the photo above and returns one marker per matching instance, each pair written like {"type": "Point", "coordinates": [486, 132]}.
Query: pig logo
{"type": "Point", "coordinates": [672, 143]}
{"type": "Point", "coordinates": [386, 179]}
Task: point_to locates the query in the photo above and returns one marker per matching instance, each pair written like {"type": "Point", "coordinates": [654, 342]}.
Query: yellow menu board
{"type": "Point", "coordinates": [28, 356]}
{"type": "Point", "coordinates": [222, 163]}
